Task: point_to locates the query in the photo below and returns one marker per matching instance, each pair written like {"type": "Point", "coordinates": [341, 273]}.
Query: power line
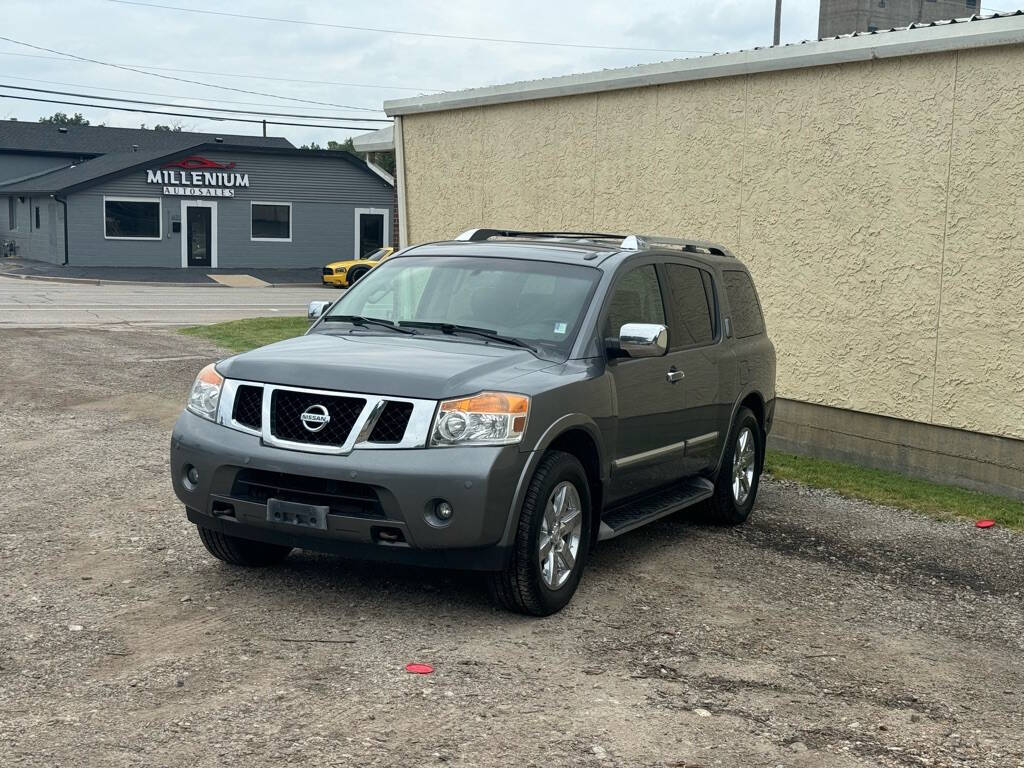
{"type": "Point", "coordinates": [182, 114]}
{"type": "Point", "coordinates": [182, 79]}
{"type": "Point", "coordinates": [235, 74]}
{"type": "Point", "coordinates": [186, 106]}
{"type": "Point", "coordinates": [384, 30]}
{"type": "Point", "coordinates": [145, 93]}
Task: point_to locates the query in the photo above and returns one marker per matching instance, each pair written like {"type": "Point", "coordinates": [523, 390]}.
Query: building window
{"type": "Point", "coordinates": [132, 218]}
{"type": "Point", "coordinates": [881, 3]}
{"type": "Point", "coordinates": [37, 217]}
{"type": "Point", "coordinates": [12, 213]}
{"type": "Point", "coordinates": [271, 221]}
{"type": "Point", "coordinates": [972, 3]}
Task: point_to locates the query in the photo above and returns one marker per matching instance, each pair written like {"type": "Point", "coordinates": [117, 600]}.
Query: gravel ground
{"type": "Point", "coordinates": [825, 632]}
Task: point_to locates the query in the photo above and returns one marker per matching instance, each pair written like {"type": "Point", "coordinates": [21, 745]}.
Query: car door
{"type": "Point", "coordinates": [648, 446]}
{"type": "Point", "coordinates": [695, 352]}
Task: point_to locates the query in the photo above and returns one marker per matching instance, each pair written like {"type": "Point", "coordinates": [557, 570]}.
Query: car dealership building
{"type": "Point", "coordinates": [96, 196]}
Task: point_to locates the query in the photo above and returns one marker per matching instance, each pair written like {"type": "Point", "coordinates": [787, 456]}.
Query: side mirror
{"type": "Point", "coordinates": [643, 340]}
{"type": "Point", "coordinates": [316, 309]}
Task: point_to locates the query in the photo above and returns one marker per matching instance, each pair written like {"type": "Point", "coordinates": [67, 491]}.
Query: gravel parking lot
{"type": "Point", "coordinates": [826, 632]}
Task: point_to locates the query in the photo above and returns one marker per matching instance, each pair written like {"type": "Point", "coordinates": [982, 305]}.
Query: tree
{"type": "Point", "coordinates": [61, 118]}
{"type": "Point", "coordinates": [385, 160]}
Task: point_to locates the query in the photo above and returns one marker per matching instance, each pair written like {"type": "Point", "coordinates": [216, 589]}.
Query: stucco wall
{"type": "Point", "coordinates": [880, 206]}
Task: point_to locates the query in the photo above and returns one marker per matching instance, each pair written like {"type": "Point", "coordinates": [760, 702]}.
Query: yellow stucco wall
{"type": "Point", "coordinates": [880, 206]}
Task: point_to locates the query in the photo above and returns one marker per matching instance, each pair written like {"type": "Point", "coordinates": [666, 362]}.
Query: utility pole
{"type": "Point", "coordinates": [778, 21]}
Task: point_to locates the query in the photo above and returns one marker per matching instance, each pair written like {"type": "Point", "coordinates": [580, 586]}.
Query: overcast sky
{"type": "Point", "coordinates": [363, 69]}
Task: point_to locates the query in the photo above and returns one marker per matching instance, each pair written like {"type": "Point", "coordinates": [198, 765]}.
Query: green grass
{"type": "Point", "coordinates": [944, 502]}
{"type": "Point", "coordinates": [243, 335]}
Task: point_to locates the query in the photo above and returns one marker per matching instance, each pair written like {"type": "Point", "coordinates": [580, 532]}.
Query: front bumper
{"type": "Point", "coordinates": [336, 281]}
{"type": "Point", "coordinates": [479, 482]}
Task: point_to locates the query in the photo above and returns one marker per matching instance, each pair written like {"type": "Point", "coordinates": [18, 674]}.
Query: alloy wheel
{"type": "Point", "coordinates": [744, 461]}
{"type": "Point", "coordinates": [560, 531]}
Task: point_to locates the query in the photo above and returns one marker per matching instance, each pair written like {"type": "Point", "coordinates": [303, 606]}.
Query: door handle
{"type": "Point", "coordinates": [673, 375]}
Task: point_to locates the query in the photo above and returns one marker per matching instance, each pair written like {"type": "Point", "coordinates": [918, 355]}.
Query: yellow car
{"type": "Point", "coordinates": [343, 274]}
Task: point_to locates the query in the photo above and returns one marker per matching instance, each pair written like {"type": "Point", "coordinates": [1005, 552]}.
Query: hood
{"type": "Point", "coordinates": [425, 367]}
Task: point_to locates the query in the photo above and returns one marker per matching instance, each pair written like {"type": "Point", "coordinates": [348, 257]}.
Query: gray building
{"type": "Point", "coordinates": [841, 17]}
{"type": "Point", "coordinates": [127, 197]}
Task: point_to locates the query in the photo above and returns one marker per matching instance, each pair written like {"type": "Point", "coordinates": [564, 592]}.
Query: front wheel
{"type": "Point", "coordinates": [740, 475]}
{"type": "Point", "coordinates": [355, 274]}
{"type": "Point", "coordinates": [236, 551]}
{"type": "Point", "coordinates": [552, 540]}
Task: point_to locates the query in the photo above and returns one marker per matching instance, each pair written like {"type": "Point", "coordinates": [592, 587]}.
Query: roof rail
{"type": "Point", "coordinates": [476, 235]}
{"type": "Point", "coordinates": [643, 242]}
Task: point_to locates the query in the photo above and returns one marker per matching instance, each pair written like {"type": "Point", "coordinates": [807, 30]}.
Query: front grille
{"type": "Point", "coordinates": [343, 498]}
{"type": "Point", "coordinates": [286, 408]}
{"type": "Point", "coordinates": [249, 406]}
{"type": "Point", "coordinates": [328, 271]}
{"type": "Point", "coordinates": [390, 426]}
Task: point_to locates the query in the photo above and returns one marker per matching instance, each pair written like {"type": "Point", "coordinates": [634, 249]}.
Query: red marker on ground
{"type": "Point", "coordinates": [985, 523]}
{"type": "Point", "coordinates": [419, 669]}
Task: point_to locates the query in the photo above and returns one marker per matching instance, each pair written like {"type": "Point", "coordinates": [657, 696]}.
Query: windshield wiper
{"type": "Point", "coordinates": [452, 328]}
{"type": "Point", "coordinates": [364, 321]}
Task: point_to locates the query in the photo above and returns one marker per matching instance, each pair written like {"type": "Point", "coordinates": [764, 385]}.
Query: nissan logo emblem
{"type": "Point", "coordinates": [315, 418]}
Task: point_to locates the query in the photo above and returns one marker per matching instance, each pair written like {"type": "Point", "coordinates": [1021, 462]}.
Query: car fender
{"type": "Point", "coordinates": [744, 394]}
{"type": "Point", "coordinates": [559, 427]}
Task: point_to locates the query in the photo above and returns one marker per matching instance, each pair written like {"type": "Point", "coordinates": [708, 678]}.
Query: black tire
{"type": "Point", "coordinates": [725, 509]}
{"type": "Point", "coordinates": [521, 586]}
{"type": "Point", "coordinates": [231, 549]}
{"type": "Point", "coordinates": [355, 274]}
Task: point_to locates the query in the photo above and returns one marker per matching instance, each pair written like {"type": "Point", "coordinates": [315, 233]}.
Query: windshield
{"type": "Point", "coordinates": [541, 303]}
{"type": "Point", "coordinates": [376, 255]}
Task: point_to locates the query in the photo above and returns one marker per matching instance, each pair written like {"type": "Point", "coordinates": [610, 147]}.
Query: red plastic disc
{"type": "Point", "coordinates": [985, 523]}
{"type": "Point", "coordinates": [419, 669]}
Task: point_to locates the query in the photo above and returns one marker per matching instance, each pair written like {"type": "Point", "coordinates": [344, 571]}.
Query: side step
{"type": "Point", "coordinates": [632, 514]}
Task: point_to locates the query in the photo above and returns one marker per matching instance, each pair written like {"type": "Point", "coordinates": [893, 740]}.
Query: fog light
{"type": "Point", "coordinates": [444, 511]}
{"type": "Point", "coordinates": [193, 475]}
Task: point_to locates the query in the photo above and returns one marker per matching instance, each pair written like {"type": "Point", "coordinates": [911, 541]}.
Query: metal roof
{"type": "Point", "coordinates": [46, 138]}
{"type": "Point", "coordinates": [933, 37]}
{"type": "Point", "coordinates": [382, 140]}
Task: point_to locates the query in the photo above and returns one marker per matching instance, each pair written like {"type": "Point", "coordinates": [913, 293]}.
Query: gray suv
{"type": "Point", "coordinates": [501, 402]}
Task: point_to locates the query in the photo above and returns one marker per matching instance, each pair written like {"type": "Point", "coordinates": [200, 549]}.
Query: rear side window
{"type": "Point", "coordinates": [746, 312]}
{"type": "Point", "coordinates": [691, 306]}
{"type": "Point", "coordinates": [637, 299]}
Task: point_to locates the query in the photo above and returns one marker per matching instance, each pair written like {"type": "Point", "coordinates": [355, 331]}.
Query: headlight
{"type": "Point", "coordinates": [205, 394]}
{"type": "Point", "coordinates": [490, 418]}
{"type": "Point", "coordinates": [340, 271]}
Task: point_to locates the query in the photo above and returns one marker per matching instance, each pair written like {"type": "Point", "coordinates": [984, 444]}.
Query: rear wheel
{"type": "Point", "coordinates": [740, 475]}
{"type": "Point", "coordinates": [236, 551]}
{"type": "Point", "coordinates": [551, 543]}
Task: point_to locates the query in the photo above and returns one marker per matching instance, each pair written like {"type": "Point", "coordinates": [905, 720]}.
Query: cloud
{"type": "Point", "coordinates": [157, 37]}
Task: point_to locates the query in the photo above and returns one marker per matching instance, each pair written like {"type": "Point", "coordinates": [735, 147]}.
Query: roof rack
{"type": "Point", "coordinates": [625, 242]}
{"type": "Point", "coordinates": [476, 235]}
{"type": "Point", "coordinates": [643, 242]}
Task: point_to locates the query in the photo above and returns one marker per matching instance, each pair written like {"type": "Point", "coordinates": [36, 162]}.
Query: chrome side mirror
{"type": "Point", "coordinates": [643, 340]}
{"type": "Point", "coordinates": [316, 309]}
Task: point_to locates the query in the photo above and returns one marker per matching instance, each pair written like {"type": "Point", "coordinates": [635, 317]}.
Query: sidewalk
{"type": "Point", "coordinates": [198, 277]}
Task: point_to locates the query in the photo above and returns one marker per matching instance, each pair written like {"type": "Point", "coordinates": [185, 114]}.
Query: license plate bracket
{"type": "Point", "coordinates": [294, 513]}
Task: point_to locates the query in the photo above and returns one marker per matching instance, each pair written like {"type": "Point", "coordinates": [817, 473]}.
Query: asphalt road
{"type": "Point", "coordinates": [824, 632]}
{"type": "Point", "coordinates": [25, 303]}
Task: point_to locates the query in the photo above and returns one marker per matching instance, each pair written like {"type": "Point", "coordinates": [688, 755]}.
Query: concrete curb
{"type": "Point", "coordinates": [152, 283]}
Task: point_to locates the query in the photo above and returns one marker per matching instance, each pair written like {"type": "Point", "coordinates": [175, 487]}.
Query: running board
{"type": "Point", "coordinates": [632, 514]}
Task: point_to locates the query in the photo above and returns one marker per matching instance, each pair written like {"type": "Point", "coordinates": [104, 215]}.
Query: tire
{"type": "Point", "coordinates": [355, 274]}
{"type": "Point", "coordinates": [231, 549]}
{"type": "Point", "coordinates": [527, 586]}
{"type": "Point", "coordinates": [729, 505]}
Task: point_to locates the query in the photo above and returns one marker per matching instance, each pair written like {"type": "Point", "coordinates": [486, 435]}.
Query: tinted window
{"type": "Point", "coordinates": [746, 312]}
{"type": "Point", "coordinates": [691, 305]}
{"type": "Point", "coordinates": [132, 218]}
{"type": "Point", "coordinates": [637, 299]}
{"type": "Point", "coordinates": [271, 222]}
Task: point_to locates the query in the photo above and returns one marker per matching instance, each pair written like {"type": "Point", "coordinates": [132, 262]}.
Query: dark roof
{"type": "Point", "coordinates": [85, 174]}
{"type": "Point", "coordinates": [19, 136]}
